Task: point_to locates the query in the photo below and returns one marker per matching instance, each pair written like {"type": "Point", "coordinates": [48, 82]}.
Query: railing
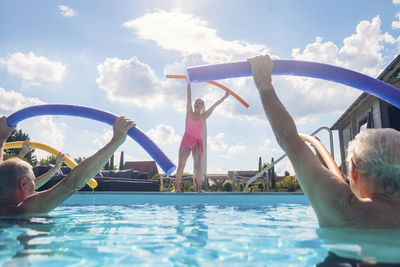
{"type": "Point", "coordinates": [258, 175]}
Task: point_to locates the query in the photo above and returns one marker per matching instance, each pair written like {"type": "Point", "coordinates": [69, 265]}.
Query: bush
{"type": "Point", "coordinates": [228, 186]}
{"type": "Point", "coordinates": [289, 183]}
{"type": "Point", "coordinates": [157, 177]}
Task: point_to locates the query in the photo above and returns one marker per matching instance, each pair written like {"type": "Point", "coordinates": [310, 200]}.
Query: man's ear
{"type": "Point", "coordinates": [354, 173]}
{"type": "Point", "coordinates": [23, 184]}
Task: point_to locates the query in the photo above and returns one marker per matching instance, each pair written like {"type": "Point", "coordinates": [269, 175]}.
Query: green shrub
{"type": "Point", "coordinates": [228, 186]}
{"type": "Point", "coordinates": [289, 183]}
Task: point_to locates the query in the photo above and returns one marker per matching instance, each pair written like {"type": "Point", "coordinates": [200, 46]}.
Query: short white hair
{"type": "Point", "coordinates": [11, 173]}
{"type": "Point", "coordinates": [376, 155]}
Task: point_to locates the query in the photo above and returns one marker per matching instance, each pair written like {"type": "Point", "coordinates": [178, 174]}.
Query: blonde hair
{"type": "Point", "coordinates": [376, 155]}
{"type": "Point", "coordinates": [11, 173]}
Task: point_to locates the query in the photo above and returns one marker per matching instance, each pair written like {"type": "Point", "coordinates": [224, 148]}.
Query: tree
{"type": "Point", "coordinates": [121, 161]}
{"type": "Point", "coordinates": [287, 173]}
{"type": "Point", "coordinates": [19, 135]}
{"type": "Point", "coordinates": [112, 167]}
{"type": "Point", "coordinates": [289, 183]}
{"type": "Point", "coordinates": [273, 175]}
{"type": "Point", "coordinates": [107, 166]}
{"type": "Point", "coordinates": [227, 185]}
{"type": "Point", "coordinates": [49, 160]}
{"type": "Point", "coordinates": [79, 160]}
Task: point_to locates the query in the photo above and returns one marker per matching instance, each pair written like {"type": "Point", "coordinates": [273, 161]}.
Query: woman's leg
{"type": "Point", "coordinates": [184, 153]}
{"type": "Point", "coordinates": [197, 172]}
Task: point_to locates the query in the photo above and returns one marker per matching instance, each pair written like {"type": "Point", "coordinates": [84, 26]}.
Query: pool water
{"type": "Point", "coordinates": [171, 230]}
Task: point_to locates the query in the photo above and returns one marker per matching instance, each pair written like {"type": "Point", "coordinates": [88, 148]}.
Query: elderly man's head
{"type": "Point", "coordinates": [16, 176]}
{"type": "Point", "coordinates": [375, 154]}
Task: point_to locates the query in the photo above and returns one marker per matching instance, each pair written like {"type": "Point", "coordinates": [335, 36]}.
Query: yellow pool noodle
{"type": "Point", "coordinates": [70, 163]}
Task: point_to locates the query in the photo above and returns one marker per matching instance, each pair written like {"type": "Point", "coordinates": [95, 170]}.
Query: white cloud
{"type": "Point", "coordinates": [304, 120]}
{"type": "Point", "coordinates": [396, 24]}
{"type": "Point", "coordinates": [66, 11]}
{"type": "Point", "coordinates": [216, 143]}
{"type": "Point", "coordinates": [97, 142]}
{"type": "Point", "coordinates": [129, 81]}
{"type": "Point", "coordinates": [361, 52]}
{"type": "Point", "coordinates": [396, 2]}
{"type": "Point", "coordinates": [40, 129]}
{"type": "Point", "coordinates": [35, 69]}
{"type": "Point", "coordinates": [132, 81]}
{"type": "Point", "coordinates": [107, 135]}
{"type": "Point", "coordinates": [188, 34]}
{"type": "Point", "coordinates": [135, 82]}
{"type": "Point", "coordinates": [283, 166]}
{"type": "Point", "coordinates": [163, 135]}
{"type": "Point", "coordinates": [105, 138]}
{"type": "Point", "coordinates": [236, 149]}
{"type": "Point", "coordinates": [213, 169]}
{"type": "Point", "coordinates": [270, 147]}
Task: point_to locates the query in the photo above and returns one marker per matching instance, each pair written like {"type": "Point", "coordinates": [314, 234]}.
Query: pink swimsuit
{"type": "Point", "coordinates": [192, 136]}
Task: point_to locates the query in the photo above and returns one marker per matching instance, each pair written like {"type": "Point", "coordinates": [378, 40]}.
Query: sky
{"type": "Point", "coordinates": [114, 56]}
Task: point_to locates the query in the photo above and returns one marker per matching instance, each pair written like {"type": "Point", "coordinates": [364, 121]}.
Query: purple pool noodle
{"type": "Point", "coordinates": [98, 115]}
{"type": "Point", "coordinates": [344, 76]}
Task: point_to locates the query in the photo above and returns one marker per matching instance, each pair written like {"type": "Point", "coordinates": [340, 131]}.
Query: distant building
{"type": "Point", "coordinates": [244, 176]}
{"type": "Point", "coordinates": [149, 167]}
{"type": "Point", "coordinates": [369, 111]}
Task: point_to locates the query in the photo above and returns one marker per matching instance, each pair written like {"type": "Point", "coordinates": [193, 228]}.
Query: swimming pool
{"type": "Point", "coordinates": [164, 229]}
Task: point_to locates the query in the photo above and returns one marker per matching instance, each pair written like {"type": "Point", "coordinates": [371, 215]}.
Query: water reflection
{"type": "Point", "coordinates": [20, 237]}
{"type": "Point", "coordinates": [194, 230]}
{"type": "Point", "coordinates": [357, 246]}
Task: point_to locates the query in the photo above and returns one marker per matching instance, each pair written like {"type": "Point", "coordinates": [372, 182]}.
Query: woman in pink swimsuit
{"type": "Point", "coordinates": [192, 141]}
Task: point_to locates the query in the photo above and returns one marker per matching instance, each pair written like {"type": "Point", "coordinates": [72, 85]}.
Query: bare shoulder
{"type": "Point", "coordinates": [370, 213]}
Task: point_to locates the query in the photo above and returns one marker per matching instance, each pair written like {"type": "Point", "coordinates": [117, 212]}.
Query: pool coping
{"type": "Point", "coordinates": [189, 198]}
{"type": "Point", "coordinates": [189, 193]}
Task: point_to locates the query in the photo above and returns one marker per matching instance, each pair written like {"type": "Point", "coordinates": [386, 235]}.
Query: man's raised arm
{"type": "Point", "coordinates": [45, 201]}
{"type": "Point", "coordinates": [324, 189]}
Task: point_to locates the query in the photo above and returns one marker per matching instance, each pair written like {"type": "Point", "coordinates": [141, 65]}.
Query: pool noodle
{"type": "Point", "coordinates": [344, 76]}
{"type": "Point", "coordinates": [70, 163]}
{"type": "Point", "coordinates": [330, 162]}
{"type": "Point", "coordinates": [99, 115]}
{"type": "Point", "coordinates": [223, 87]}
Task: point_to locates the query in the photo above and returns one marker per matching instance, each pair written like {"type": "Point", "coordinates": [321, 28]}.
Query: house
{"type": "Point", "coordinates": [369, 111]}
{"type": "Point", "coordinates": [149, 167]}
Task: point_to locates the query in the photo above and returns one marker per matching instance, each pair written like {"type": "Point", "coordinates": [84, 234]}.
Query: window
{"type": "Point", "coordinates": [366, 121]}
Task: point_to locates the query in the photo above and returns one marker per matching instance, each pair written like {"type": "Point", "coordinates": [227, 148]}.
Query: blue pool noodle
{"type": "Point", "coordinates": [98, 115]}
{"type": "Point", "coordinates": [351, 78]}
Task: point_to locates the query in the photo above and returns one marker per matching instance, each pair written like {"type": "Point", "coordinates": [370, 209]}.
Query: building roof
{"type": "Point", "coordinates": [149, 167]}
{"type": "Point", "coordinates": [390, 75]}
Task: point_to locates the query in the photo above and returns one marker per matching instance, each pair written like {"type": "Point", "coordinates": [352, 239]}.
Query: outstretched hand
{"type": "Point", "coordinates": [59, 160]}
{"type": "Point", "coordinates": [5, 130]}
{"type": "Point", "coordinates": [261, 68]}
{"type": "Point", "coordinates": [26, 148]}
{"type": "Point", "coordinates": [121, 127]}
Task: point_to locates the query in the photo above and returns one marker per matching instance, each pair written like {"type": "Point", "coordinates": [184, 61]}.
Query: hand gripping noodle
{"type": "Point", "coordinates": [351, 78]}
{"type": "Point", "coordinates": [99, 115]}
{"type": "Point", "coordinates": [70, 163]}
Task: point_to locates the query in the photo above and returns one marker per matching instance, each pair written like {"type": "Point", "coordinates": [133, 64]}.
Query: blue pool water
{"type": "Point", "coordinates": [180, 230]}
